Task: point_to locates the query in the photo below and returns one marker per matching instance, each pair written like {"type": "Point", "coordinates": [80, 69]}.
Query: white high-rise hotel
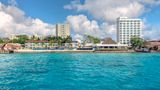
{"type": "Point", "coordinates": [127, 28]}
{"type": "Point", "coordinates": [62, 30]}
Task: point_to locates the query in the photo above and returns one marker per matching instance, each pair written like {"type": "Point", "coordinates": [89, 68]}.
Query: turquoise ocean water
{"type": "Point", "coordinates": [80, 71]}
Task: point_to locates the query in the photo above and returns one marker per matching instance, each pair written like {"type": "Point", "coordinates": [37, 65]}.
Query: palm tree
{"type": "Point", "coordinates": [51, 42]}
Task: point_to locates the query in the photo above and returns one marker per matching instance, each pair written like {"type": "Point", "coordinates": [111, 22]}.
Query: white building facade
{"type": "Point", "coordinates": [62, 30]}
{"type": "Point", "coordinates": [34, 44]}
{"type": "Point", "coordinates": [128, 28]}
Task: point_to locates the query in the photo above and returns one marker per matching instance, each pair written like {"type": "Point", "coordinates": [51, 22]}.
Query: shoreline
{"type": "Point", "coordinates": [53, 51]}
{"type": "Point", "coordinates": [73, 51]}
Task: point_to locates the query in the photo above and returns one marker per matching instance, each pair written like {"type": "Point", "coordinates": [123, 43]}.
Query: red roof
{"type": "Point", "coordinates": [37, 41]}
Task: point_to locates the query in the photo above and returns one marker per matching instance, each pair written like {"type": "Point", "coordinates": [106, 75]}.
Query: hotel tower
{"type": "Point", "coordinates": [128, 28]}
{"type": "Point", "coordinates": [62, 30]}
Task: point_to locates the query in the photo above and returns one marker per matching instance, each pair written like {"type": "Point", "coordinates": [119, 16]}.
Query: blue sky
{"type": "Point", "coordinates": [52, 11]}
{"type": "Point", "coordinates": [87, 16]}
{"type": "Point", "coordinates": [153, 17]}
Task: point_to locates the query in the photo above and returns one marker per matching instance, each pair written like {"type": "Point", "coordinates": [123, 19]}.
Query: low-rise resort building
{"type": "Point", "coordinates": [37, 44]}
{"type": "Point", "coordinates": [44, 44]}
{"type": "Point", "coordinates": [108, 43]}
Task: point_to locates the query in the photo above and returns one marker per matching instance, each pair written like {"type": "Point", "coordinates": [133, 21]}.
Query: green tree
{"type": "Point", "coordinates": [68, 39]}
{"type": "Point", "coordinates": [137, 42]}
{"type": "Point", "coordinates": [1, 41]}
{"type": "Point", "coordinates": [92, 39]}
{"type": "Point", "coordinates": [51, 42]}
{"type": "Point", "coordinates": [21, 39]}
{"type": "Point", "coordinates": [58, 40]}
{"type": "Point", "coordinates": [34, 38]}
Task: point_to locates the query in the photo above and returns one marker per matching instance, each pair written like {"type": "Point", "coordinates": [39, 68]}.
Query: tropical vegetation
{"type": "Point", "coordinates": [91, 39]}
{"type": "Point", "coordinates": [21, 39]}
{"type": "Point", "coordinates": [58, 40]}
{"type": "Point", "coordinates": [137, 42]}
{"type": "Point", "coordinates": [1, 41]}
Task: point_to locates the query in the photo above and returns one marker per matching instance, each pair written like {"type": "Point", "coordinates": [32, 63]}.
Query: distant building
{"type": "Point", "coordinates": [127, 28]}
{"type": "Point", "coordinates": [37, 44]}
{"type": "Point", "coordinates": [62, 30]}
{"type": "Point", "coordinates": [73, 44]}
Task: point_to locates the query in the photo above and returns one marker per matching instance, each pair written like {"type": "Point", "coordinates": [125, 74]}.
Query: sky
{"type": "Point", "coordinates": [92, 17]}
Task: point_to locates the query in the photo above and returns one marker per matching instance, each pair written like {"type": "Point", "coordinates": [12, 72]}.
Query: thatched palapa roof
{"type": "Point", "coordinates": [109, 41]}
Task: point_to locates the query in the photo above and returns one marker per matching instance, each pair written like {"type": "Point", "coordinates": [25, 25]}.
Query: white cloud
{"type": "Point", "coordinates": [82, 25]}
{"type": "Point", "coordinates": [151, 32]}
{"type": "Point", "coordinates": [107, 11]}
{"type": "Point", "coordinates": [14, 21]}
{"type": "Point", "coordinates": [109, 30]}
